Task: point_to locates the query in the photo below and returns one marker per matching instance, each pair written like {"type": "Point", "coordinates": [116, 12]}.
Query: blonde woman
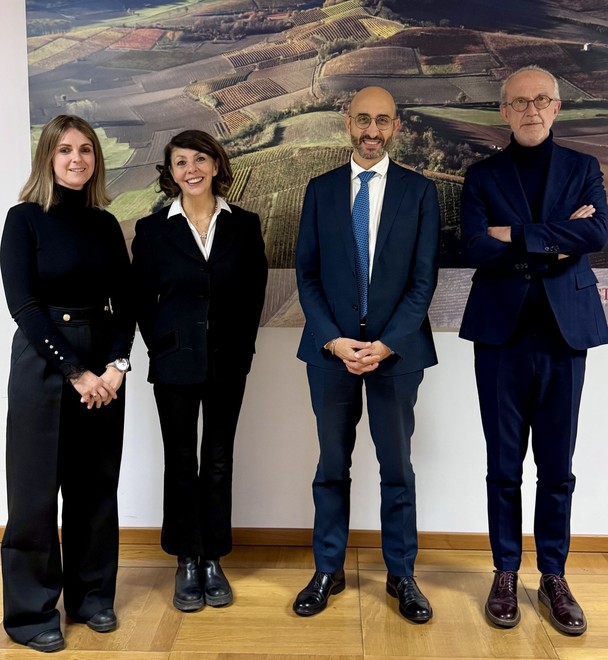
{"type": "Point", "coordinates": [66, 276]}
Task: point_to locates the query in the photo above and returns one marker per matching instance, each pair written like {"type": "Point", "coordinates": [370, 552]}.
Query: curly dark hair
{"type": "Point", "coordinates": [200, 142]}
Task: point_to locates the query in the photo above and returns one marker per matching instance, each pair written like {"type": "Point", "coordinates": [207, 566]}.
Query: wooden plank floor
{"type": "Point", "coordinates": [361, 623]}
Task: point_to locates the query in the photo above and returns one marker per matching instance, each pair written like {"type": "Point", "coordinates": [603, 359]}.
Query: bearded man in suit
{"type": "Point", "coordinates": [366, 264]}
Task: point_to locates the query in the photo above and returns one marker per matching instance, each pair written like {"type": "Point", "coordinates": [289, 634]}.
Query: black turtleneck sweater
{"type": "Point", "coordinates": [72, 256]}
{"type": "Point", "coordinates": [532, 164]}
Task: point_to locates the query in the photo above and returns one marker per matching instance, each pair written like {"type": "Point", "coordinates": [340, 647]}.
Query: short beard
{"type": "Point", "coordinates": [366, 154]}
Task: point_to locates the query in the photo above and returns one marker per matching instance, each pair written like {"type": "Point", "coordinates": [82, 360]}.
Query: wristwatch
{"type": "Point", "coordinates": [122, 364]}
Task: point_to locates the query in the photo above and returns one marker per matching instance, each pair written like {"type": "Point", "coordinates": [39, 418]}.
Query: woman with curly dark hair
{"type": "Point", "coordinates": [200, 273]}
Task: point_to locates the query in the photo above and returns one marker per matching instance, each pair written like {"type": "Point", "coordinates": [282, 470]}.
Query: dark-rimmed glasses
{"type": "Point", "coordinates": [521, 104]}
{"type": "Point", "coordinates": [383, 122]}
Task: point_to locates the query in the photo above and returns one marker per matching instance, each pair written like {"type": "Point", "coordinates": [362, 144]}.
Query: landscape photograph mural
{"type": "Point", "coordinates": [271, 80]}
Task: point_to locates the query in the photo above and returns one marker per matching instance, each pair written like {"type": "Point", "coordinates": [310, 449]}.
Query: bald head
{"type": "Point", "coordinates": [370, 141]}
{"type": "Point", "coordinates": [373, 96]}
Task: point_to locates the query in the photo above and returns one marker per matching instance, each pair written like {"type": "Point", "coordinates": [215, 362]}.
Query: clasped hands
{"type": "Point", "coordinates": [96, 391]}
{"type": "Point", "coordinates": [360, 357]}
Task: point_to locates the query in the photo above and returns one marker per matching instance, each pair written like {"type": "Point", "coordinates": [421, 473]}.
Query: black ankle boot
{"type": "Point", "coordinates": [188, 595]}
{"type": "Point", "coordinates": [215, 584]}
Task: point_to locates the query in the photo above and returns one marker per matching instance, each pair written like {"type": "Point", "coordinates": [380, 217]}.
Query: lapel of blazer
{"type": "Point", "coordinates": [225, 233]}
{"type": "Point", "coordinates": [341, 210]}
{"type": "Point", "coordinates": [507, 179]}
{"type": "Point", "coordinates": [178, 232]}
{"type": "Point", "coordinates": [560, 171]}
{"type": "Point", "coordinates": [393, 194]}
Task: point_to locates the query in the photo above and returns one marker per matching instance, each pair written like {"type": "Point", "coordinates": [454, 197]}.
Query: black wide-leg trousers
{"type": "Point", "coordinates": [54, 444]}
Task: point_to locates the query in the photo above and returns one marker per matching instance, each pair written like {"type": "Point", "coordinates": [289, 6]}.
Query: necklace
{"type": "Point", "coordinates": [195, 221]}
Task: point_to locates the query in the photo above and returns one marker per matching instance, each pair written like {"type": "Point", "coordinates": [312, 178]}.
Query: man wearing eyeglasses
{"type": "Point", "coordinates": [366, 264]}
{"type": "Point", "coordinates": [530, 216]}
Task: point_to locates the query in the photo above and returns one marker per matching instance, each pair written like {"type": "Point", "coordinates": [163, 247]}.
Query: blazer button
{"type": "Point", "coordinates": [66, 317]}
{"type": "Point", "coordinates": [356, 308]}
{"type": "Point", "coordinates": [528, 277]}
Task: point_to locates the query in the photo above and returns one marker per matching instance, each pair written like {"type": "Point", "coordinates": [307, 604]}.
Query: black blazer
{"type": "Point", "coordinates": [198, 317]}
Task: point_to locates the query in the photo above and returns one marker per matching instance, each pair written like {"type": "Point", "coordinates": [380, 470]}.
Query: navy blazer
{"type": "Point", "coordinates": [404, 273]}
{"type": "Point", "coordinates": [493, 196]}
{"type": "Point", "coordinates": [198, 316]}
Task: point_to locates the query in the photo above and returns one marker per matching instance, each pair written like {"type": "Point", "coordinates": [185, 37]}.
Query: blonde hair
{"type": "Point", "coordinates": [40, 188]}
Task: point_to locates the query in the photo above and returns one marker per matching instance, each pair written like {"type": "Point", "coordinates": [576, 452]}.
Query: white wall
{"type": "Point", "coordinates": [276, 444]}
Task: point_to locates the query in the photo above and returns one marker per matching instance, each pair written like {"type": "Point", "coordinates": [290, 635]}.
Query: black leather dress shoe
{"type": "Point", "coordinates": [188, 595]}
{"type": "Point", "coordinates": [313, 598]}
{"type": "Point", "coordinates": [216, 587]}
{"type": "Point", "coordinates": [412, 604]}
{"type": "Point", "coordinates": [565, 613]}
{"type": "Point", "coordinates": [103, 621]}
{"type": "Point", "coordinates": [47, 641]}
{"type": "Point", "coordinates": [501, 606]}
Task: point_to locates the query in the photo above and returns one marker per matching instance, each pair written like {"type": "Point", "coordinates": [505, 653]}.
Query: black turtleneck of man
{"type": "Point", "coordinates": [532, 165]}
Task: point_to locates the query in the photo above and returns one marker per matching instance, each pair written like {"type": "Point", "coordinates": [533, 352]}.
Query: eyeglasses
{"type": "Point", "coordinates": [383, 122]}
{"type": "Point", "coordinates": [520, 104]}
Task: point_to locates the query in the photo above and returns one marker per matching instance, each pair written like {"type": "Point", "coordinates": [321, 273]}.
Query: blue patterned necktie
{"type": "Point", "coordinates": [360, 214]}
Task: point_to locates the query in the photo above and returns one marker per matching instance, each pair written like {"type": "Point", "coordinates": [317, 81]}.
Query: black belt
{"type": "Point", "coordinates": [78, 314]}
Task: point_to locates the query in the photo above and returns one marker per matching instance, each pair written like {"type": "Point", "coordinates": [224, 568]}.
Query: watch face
{"type": "Point", "coordinates": [122, 364]}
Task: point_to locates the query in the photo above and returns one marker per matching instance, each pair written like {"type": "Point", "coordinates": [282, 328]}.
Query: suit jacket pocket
{"type": "Point", "coordinates": [164, 345]}
{"type": "Point", "coordinates": [585, 278]}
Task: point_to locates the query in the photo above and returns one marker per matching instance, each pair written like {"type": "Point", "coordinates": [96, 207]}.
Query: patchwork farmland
{"type": "Point", "coordinates": [143, 75]}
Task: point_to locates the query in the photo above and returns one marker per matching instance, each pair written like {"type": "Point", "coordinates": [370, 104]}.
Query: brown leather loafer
{"type": "Point", "coordinates": [313, 598]}
{"type": "Point", "coordinates": [564, 612]}
{"type": "Point", "coordinates": [501, 606]}
{"type": "Point", "coordinates": [413, 605]}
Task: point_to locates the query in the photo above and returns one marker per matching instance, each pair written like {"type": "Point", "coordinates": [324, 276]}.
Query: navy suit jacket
{"type": "Point", "coordinates": [493, 196]}
{"type": "Point", "coordinates": [196, 316]}
{"type": "Point", "coordinates": [404, 273]}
